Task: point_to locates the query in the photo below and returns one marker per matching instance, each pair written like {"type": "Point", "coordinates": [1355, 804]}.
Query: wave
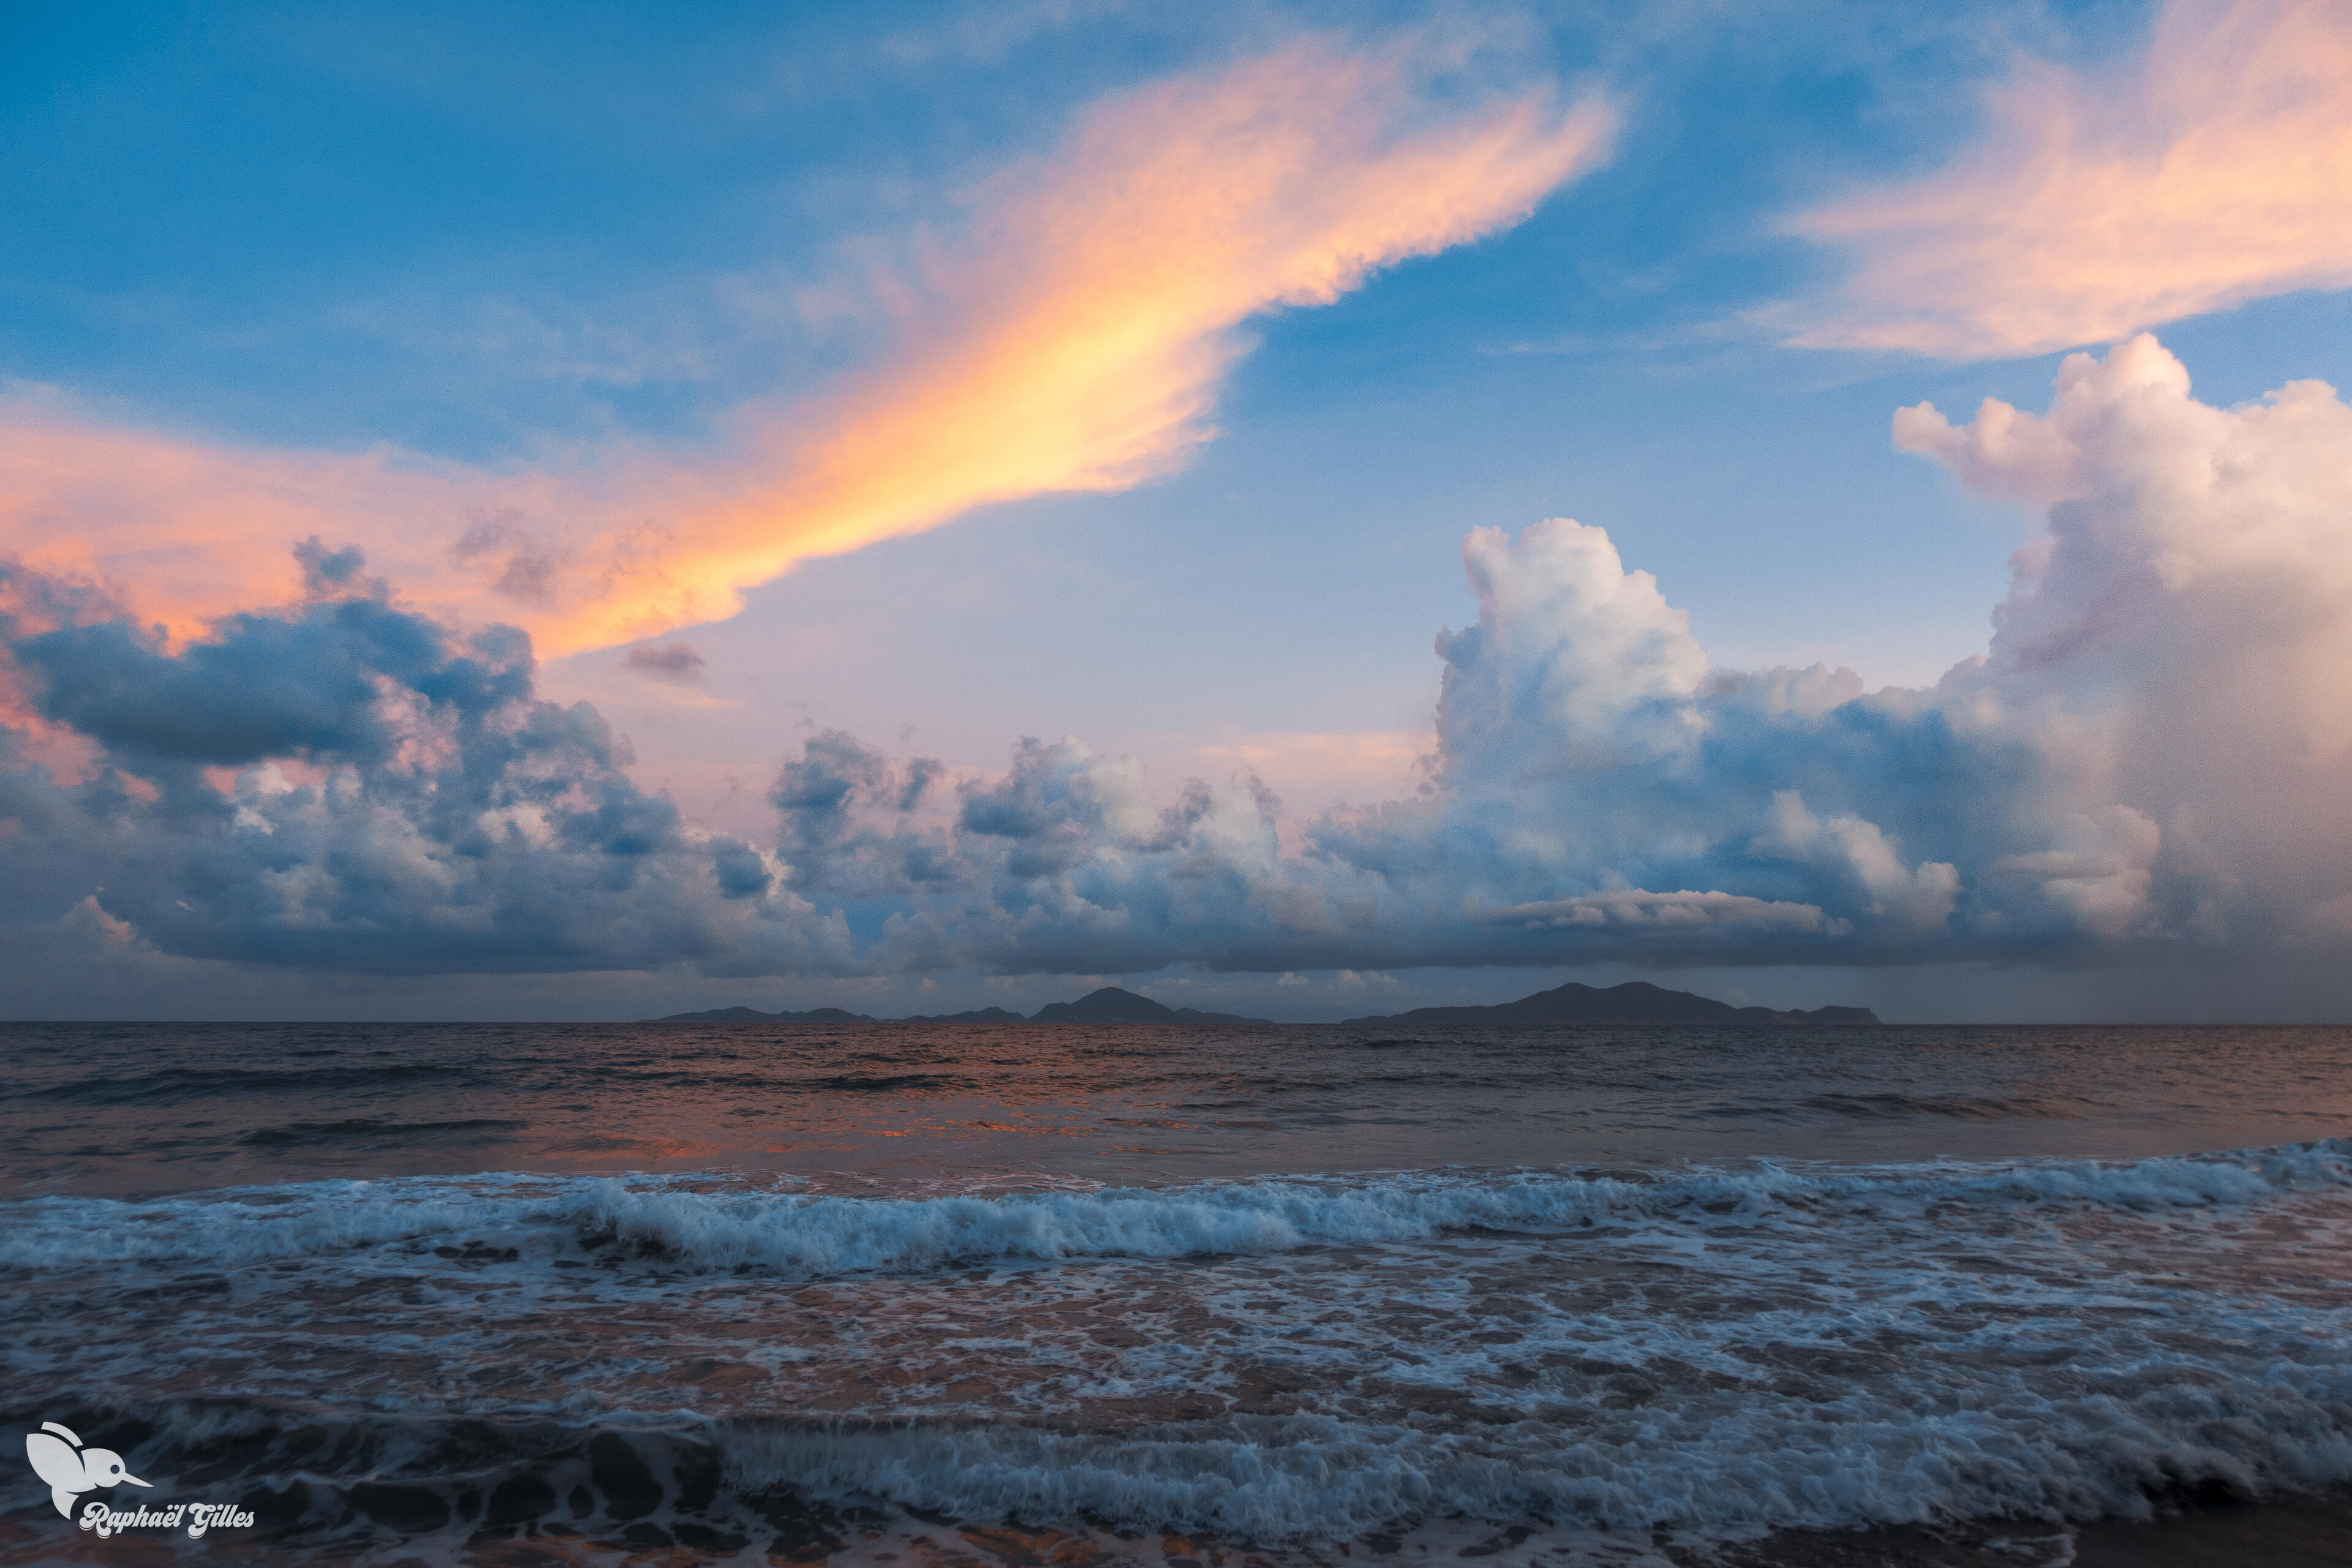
{"type": "Point", "coordinates": [170, 1085]}
{"type": "Point", "coordinates": [1960, 1108]}
{"type": "Point", "coordinates": [888, 1083]}
{"type": "Point", "coordinates": [373, 1132]}
{"type": "Point", "coordinates": [1725, 1472]}
{"type": "Point", "coordinates": [1710, 1472]}
{"type": "Point", "coordinates": [1768, 1347]}
{"type": "Point", "coordinates": [693, 1223]}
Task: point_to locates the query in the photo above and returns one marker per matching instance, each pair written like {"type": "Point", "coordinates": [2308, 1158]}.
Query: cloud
{"type": "Point", "coordinates": [1070, 337]}
{"type": "Point", "coordinates": [348, 787]}
{"type": "Point", "coordinates": [2189, 619]}
{"type": "Point", "coordinates": [678, 662]}
{"type": "Point", "coordinates": [2149, 753]}
{"type": "Point", "coordinates": [2146, 763]}
{"type": "Point", "coordinates": [2215, 169]}
{"type": "Point", "coordinates": [1633, 906]}
{"type": "Point", "coordinates": [1568, 645]}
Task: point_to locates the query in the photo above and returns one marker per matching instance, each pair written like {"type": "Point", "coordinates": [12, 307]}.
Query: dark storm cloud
{"type": "Point", "coordinates": [843, 810]}
{"type": "Point", "coordinates": [402, 803]}
{"type": "Point", "coordinates": [264, 687]}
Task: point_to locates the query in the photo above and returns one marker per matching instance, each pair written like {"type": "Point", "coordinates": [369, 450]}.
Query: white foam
{"type": "Point", "coordinates": [1764, 1463]}
{"type": "Point", "coordinates": [1715, 1351]}
{"type": "Point", "coordinates": [685, 1224]}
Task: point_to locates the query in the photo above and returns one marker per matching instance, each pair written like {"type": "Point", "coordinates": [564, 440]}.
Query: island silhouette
{"type": "Point", "coordinates": [1633, 1002]}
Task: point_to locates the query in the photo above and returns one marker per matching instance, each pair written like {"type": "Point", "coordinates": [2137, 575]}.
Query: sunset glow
{"type": "Point", "coordinates": [1071, 341]}
{"type": "Point", "coordinates": [1043, 783]}
{"type": "Point", "coordinates": [1295, 503]}
{"type": "Point", "coordinates": [2213, 169]}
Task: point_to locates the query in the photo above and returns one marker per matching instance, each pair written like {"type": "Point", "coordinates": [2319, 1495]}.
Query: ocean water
{"type": "Point", "coordinates": [972, 1295]}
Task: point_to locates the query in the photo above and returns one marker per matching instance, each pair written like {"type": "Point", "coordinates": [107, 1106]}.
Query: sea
{"type": "Point", "coordinates": [1191, 1296]}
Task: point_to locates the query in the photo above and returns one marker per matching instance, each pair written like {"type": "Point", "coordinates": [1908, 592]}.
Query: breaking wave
{"type": "Point", "coordinates": [685, 1224]}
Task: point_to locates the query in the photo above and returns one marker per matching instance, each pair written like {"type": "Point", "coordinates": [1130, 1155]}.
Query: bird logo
{"type": "Point", "coordinates": [71, 1469]}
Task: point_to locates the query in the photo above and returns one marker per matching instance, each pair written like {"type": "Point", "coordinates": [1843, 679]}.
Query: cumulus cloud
{"type": "Point", "coordinates": [2147, 760]}
{"type": "Point", "coordinates": [2214, 169]}
{"type": "Point", "coordinates": [2150, 751]}
{"type": "Point", "coordinates": [1571, 647]}
{"type": "Point", "coordinates": [346, 786]}
{"type": "Point", "coordinates": [1069, 334]}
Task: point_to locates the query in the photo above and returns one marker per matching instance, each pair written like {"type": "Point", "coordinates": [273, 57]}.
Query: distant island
{"type": "Point", "coordinates": [1108, 1006]}
{"type": "Point", "coordinates": [754, 1015]}
{"type": "Point", "coordinates": [1112, 1006]}
{"type": "Point", "coordinates": [1634, 1002]}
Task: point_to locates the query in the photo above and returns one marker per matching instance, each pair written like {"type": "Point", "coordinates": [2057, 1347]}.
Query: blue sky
{"type": "Point", "coordinates": [509, 238]}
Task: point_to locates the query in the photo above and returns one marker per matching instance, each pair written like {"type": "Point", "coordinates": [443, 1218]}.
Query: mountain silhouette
{"type": "Point", "coordinates": [1112, 1006]}
{"type": "Point", "coordinates": [1634, 1002]}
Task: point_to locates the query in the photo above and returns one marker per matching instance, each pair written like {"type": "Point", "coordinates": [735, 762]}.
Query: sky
{"type": "Point", "coordinates": [526, 513]}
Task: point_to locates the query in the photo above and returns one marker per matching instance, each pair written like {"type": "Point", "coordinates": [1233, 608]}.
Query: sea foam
{"type": "Point", "coordinates": [682, 1223]}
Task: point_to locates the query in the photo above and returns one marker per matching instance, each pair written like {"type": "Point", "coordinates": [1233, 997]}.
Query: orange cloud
{"type": "Point", "coordinates": [182, 530]}
{"type": "Point", "coordinates": [1072, 340]}
{"type": "Point", "coordinates": [2217, 170]}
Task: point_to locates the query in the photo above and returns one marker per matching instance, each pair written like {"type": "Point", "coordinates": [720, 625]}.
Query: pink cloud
{"type": "Point", "coordinates": [2214, 170]}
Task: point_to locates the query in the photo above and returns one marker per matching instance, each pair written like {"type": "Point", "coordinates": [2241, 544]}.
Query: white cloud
{"type": "Point", "coordinates": [1569, 647]}
{"type": "Point", "coordinates": [1920, 899]}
